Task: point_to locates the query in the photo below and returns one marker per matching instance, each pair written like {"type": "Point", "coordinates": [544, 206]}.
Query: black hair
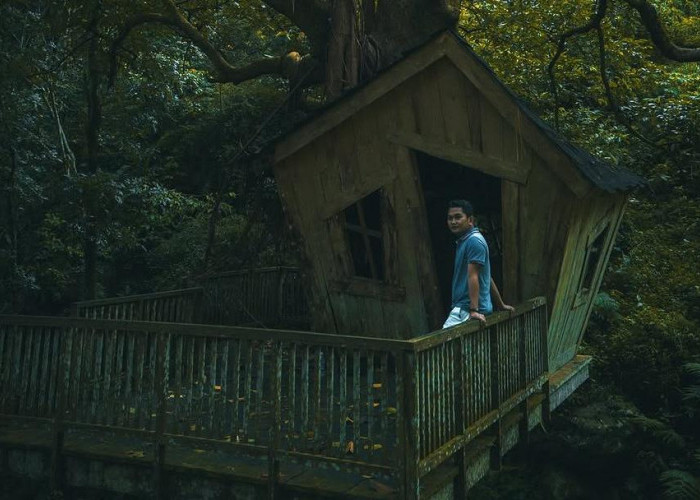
{"type": "Point", "coordinates": [464, 205]}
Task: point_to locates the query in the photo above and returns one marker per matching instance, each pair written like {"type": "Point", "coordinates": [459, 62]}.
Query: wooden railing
{"type": "Point", "coordinates": [263, 297]}
{"type": "Point", "coordinates": [390, 407]}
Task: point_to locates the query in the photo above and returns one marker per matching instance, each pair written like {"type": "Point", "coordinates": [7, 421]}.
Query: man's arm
{"type": "Point", "coordinates": [496, 298]}
{"type": "Point", "coordinates": [473, 283]}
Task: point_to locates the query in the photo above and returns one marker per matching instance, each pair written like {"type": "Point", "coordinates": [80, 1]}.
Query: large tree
{"type": "Point", "coordinates": [349, 40]}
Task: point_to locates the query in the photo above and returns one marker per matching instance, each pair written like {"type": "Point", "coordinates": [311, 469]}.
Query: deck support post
{"type": "Point", "coordinates": [161, 416]}
{"type": "Point", "coordinates": [58, 432]}
{"type": "Point", "coordinates": [273, 464]}
{"type": "Point", "coordinates": [495, 399]}
{"type": "Point", "coordinates": [408, 428]}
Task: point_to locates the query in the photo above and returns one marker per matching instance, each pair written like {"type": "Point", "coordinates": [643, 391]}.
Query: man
{"type": "Point", "coordinates": [472, 286]}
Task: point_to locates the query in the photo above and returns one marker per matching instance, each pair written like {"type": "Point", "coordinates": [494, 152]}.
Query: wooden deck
{"type": "Point", "coordinates": [393, 412]}
{"type": "Point", "coordinates": [264, 297]}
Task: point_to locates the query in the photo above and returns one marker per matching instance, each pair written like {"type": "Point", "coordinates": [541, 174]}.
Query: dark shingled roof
{"type": "Point", "coordinates": [603, 175]}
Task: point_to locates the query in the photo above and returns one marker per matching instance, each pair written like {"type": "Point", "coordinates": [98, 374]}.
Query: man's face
{"type": "Point", "coordinates": [458, 222]}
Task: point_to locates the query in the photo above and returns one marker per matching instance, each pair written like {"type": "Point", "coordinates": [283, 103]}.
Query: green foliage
{"type": "Point", "coordinates": [660, 431]}
{"type": "Point", "coordinates": [679, 484]}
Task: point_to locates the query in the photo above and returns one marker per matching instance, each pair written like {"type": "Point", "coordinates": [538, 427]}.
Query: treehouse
{"type": "Point", "coordinates": [366, 184]}
{"type": "Point", "coordinates": [203, 393]}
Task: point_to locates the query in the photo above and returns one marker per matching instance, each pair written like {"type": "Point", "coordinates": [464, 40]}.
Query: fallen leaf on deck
{"type": "Point", "coordinates": [391, 410]}
{"type": "Point", "coordinates": [372, 446]}
{"type": "Point", "coordinates": [217, 387]}
{"type": "Point", "coordinates": [198, 450]}
{"type": "Point", "coordinates": [377, 385]}
{"type": "Point", "coordinates": [135, 454]}
{"type": "Point", "coordinates": [350, 448]}
{"type": "Point", "coordinates": [375, 404]}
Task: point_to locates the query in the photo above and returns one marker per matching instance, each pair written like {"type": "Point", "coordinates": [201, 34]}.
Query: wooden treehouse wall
{"type": "Point", "coordinates": [319, 181]}
{"type": "Point", "coordinates": [570, 307]}
{"type": "Point", "coordinates": [440, 112]}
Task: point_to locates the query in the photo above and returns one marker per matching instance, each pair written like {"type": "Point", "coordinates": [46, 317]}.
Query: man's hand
{"type": "Point", "coordinates": [477, 315]}
{"type": "Point", "coordinates": [506, 307]}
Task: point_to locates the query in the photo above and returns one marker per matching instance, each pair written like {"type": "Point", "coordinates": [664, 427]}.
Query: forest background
{"type": "Point", "coordinates": [134, 157]}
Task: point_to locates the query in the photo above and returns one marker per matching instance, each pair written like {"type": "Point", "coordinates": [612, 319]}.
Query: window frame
{"type": "Point", "coordinates": [601, 229]}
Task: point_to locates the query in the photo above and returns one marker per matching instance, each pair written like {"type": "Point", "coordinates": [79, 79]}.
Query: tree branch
{"type": "Point", "coordinates": [130, 24]}
{"type": "Point", "coordinates": [593, 23]}
{"type": "Point", "coordinates": [657, 32]}
{"type": "Point", "coordinates": [288, 65]}
{"type": "Point", "coordinates": [311, 16]}
{"type": "Point", "coordinates": [612, 102]}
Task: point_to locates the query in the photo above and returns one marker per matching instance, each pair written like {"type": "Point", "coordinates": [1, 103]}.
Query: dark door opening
{"type": "Point", "coordinates": [443, 181]}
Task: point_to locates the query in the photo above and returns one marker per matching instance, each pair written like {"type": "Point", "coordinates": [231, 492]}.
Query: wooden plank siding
{"type": "Point", "coordinates": [447, 107]}
{"type": "Point", "coordinates": [569, 315]}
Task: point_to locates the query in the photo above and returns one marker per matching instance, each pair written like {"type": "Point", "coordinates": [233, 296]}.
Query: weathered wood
{"type": "Point", "coordinates": [366, 95]}
{"type": "Point", "coordinates": [408, 437]}
{"type": "Point", "coordinates": [58, 432]}
{"type": "Point", "coordinates": [419, 400]}
{"type": "Point", "coordinates": [463, 156]}
{"type": "Point", "coordinates": [159, 395]}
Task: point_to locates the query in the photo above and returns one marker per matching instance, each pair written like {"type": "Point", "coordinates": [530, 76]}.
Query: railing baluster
{"type": "Point", "coordinates": [370, 396]}
{"type": "Point", "coordinates": [331, 390]}
{"type": "Point", "coordinates": [222, 418]}
{"type": "Point", "coordinates": [54, 351]}
{"type": "Point", "coordinates": [247, 407]}
{"type": "Point", "coordinates": [236, 423]}
{"type": "Point", "coordinates": [305, 393]}
{"type": "Point", "coordinates": [26, 366]}
{"type": "Point", "coordinates": [343, 413]}
{"type": "Point", "coordinates": [259, 391]}
{"type": "Point", "coordinates": [211, 386]}
{"type": "Point", "coordinates": [356, 400]}
{"type": "Point", "coordinates": [139, 407]}
{"type": "Point", "coordinates": [293, 388]}
{"type": "Point", "coordinates": [318, 387]}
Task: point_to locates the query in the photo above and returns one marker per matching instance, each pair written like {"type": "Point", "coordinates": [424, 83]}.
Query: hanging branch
{"type": "Point", "coordinates": [593, 23]}
{"type": "Point", "coordinates": [66, 152]}
{"type": "Point", "coordinates": [612, 102]}
{"type": "Point", "coordinates": [652, 22]}
{"type": "Point", "coordinates": [287, 65]}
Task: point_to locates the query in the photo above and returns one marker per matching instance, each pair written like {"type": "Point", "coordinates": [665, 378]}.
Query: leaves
{"type": "Point", "coordinates": [680, 485]}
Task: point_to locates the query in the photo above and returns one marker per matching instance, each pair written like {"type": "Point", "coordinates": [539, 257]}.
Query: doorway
{"type": "Point", "coordinates": [442, 181]}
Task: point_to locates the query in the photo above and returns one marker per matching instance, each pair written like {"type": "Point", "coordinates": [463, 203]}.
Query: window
{"type": "Point", "coordinates": [594, 252]}
{"type": "Point", "coordinates": [363, 227]}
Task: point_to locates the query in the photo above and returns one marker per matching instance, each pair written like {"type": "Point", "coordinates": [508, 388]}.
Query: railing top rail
{"type": "Point", "coordinates": [241, 272]}
{"type": "Point", "coordinates": [215, 331]}
{"type": "Point", "coordinates": [134, 298]}
{"type": "Point", "coordinates": [439, 337]}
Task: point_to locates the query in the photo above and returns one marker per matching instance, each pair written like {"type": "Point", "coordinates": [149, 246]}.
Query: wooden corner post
{"type": "Point", "coordinates": [161, 414]}
{"type": "Point", "coordinates": [408, 428]}
{"type": "Point", "coordinates": [65, 351]}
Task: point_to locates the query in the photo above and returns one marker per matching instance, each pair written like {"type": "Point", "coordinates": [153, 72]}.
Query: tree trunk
{"type": "Point", "coordinates": [92, 128]}
{"type": "Point", "coordinates": [366, 36]}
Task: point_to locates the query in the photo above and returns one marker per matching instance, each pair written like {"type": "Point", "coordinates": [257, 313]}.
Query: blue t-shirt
{"type": "Point", "coordinates": [472, 247]}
